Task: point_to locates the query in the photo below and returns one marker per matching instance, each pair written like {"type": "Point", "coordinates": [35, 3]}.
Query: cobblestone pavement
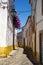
{"type": "Point", "coordinates": [16, 57]}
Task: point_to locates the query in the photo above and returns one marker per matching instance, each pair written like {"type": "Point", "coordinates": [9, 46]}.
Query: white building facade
{"type": "Point", "coordinates": [26, 33]}
{"type": "Point", "coordinates": [6, 28]}
{"type": "Point", "coordinates": [37, 12]}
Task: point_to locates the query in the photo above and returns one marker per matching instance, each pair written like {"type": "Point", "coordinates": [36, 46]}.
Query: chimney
{"type": "Point", "coordinates": [30, 1]}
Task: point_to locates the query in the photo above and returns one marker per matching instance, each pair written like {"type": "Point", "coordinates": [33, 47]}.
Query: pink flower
{"type": "Point", "coordinates": [16, 22]}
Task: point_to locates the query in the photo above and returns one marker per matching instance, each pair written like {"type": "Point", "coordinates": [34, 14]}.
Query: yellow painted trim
{"type": "Point", "coordinates": [4, 51]}
{"type": "Point", "coordinates": [15, 46]}
{"type": "Point", "coordinates": [34, 54]}
{"type": "Point", "coordinates": [37, 56]}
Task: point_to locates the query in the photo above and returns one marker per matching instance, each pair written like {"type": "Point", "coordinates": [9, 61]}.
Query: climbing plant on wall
{"type": "Point", "coordinates": [16, 21]}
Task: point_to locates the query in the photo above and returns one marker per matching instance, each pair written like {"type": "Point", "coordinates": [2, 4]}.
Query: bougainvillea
{"type": "Point", "coordinates": [16, 22]}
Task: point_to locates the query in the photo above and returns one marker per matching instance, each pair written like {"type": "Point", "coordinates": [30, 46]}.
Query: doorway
{"type": "Point", "coordinates": [24, 42]}
{"type": "Point", "coordinates": [41, 47]}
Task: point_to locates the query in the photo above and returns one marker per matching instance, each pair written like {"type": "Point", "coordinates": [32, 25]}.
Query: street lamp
{"type": "Point", "coordinates": [13, 13]}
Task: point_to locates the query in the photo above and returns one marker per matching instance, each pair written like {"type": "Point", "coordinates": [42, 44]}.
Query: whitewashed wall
{"type": "Point", "coordinates": [39, 15]}
{"type": "Point", "coordinates": [25, 28]}
{"type": "Point", "coordinates": [6, 27]}
{"type": "Point", "coordinates": [9, 34]}
{"type": "Point", "coordinates": [39, 22]}
{"type": "Point", "coordinates": [15, 36]}
{"type": "Point", "coordinates": [3, 26]}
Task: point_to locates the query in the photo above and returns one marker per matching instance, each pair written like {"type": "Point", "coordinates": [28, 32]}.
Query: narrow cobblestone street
{"type": "Point", "coordinates": [16, 57]}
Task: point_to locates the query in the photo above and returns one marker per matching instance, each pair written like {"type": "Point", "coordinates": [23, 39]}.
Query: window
{"type": "Point", "coordinates": [42, 7]}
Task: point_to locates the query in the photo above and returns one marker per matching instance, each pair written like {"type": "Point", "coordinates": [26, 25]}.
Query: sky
{"type": "Point", "coordinates": [23, 9]}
